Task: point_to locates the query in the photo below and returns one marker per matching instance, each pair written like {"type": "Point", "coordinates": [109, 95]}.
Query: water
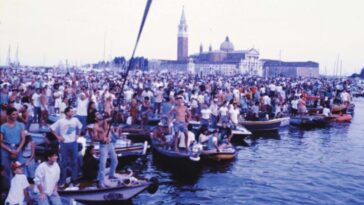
{"type": "Point", "coordinates": [319, 166]}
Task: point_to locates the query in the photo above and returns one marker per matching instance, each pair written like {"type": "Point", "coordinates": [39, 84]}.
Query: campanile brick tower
{"type": "Point", "coordinates": [182, 46]}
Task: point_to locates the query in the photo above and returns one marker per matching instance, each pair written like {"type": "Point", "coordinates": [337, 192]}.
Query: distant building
{"type": "Point", "coordinates": [228, 61]}
{"type": "Point", "coordinates": [225, 61]}
{"type": "Point", "coordinates": [275, 68]}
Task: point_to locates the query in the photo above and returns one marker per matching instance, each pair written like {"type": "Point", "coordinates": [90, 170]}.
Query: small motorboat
{"type": "Point", "coordinates": [182, 157]}
{"type": "Point", "coordinates": [341, 118]}
{"type": "Point", "coordinates": [309, 121]}
{"type": "Point", "coordinates": [262, 126]}
{"type": "Point", "coordinates": [119, 189]}
{"type": "Point", "coordinates": [127, 151]}
{"type": "Point", "coordinates": [137, 133]}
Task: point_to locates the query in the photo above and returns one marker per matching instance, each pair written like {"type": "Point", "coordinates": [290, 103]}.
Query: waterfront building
{"type": "Point", "coordinates": [275, 68]}
{"type": "Point", "coordinates": [228, 61]}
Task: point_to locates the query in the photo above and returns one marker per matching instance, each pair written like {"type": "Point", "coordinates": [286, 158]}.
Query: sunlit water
{"type": "Point", "coordinates": [319, 166]}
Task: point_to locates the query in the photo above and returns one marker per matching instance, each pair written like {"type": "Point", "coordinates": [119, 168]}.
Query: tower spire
{"type": "Point", "coordinates": [182, 39]}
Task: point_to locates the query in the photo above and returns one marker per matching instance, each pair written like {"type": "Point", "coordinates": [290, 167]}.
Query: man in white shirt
{"type": "Point", "coordinates": [158, 99]}
{"type": "Point", "coordinates": [46, 178]}
{"type": "Point", "coordinates": [234, 115]}
{"type": "Point", "coordinates": [205, 115]}
{"type": "Point", "coordinates": [224, 114]}
{"type": "Point", "coordinates": [214, 112]}
{"type": "Point", "coordinates": [81, 110]}
{"type": "Point", "coordinates": [67, 131]}
{"type": "Point", "coordinates": [36, 104]}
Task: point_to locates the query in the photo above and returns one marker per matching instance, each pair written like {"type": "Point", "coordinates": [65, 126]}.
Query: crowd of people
{"type": "Point", "coordinates": [86, 101]}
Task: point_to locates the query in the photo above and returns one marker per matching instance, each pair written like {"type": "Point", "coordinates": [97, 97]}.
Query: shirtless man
{"type": "Point", "coordinates": [180, 124]}
{"type": "Point", "coordinates": [106, 148]}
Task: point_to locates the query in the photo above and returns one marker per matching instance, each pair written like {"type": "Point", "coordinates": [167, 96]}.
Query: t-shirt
{"type": "Point", "coordinates": [206, 113]}
{"type": "Point", "coordinates": [36, 100]}
{"type": "Point", "coordinates": [67, 128]}
{"type": "Point", "coordinates": [234, 113]}
{"type": "Point", "coordinates": [82, 107]}
{"type": "Point", "coordinates": [223, 111]}
{"type": "Point", "coordinates": [48, 176]}
{"type": "Point", "coordinates": [12, 135]}
{"type": "Point", "coordinates": [16, 194]}
{"type": "Point", "coordinates": [159, 96]}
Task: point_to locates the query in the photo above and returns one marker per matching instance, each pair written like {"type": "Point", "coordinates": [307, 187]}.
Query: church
{"type": "Point", "coordinates": [226, 60]}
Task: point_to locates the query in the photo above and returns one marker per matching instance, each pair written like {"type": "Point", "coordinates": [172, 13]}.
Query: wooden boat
{"type": "Point", "coordinates": [181, 158]}
{"type": "Point", "coordinates": [118, 190]}
{"type": "Point", "coordinates": [341, 118]}
{"type": "Point", "coordinates": [262, 126]}
{"type": "Point", "coordinates": [225, 154]}
{"type": "Point", "coordinates": [309, 121]}
{"type": "Point", "coordinates": [153, 120]}
{"type": "Point", "coordinates": [137, 133]}
{"type": "Point", "coordinates": [127, 152]}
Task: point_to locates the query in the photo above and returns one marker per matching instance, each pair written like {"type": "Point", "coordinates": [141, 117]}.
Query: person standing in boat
{"type": "Point", "coordinates": [67, 131]}
{"type": "Point", "coordinates": [103, 135]}
{"type": "Point", "coordinates": [302, 109]}
{"type": "Point", "coordinates": [182, 118]}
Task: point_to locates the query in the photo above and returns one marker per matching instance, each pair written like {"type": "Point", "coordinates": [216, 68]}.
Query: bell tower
{"type": "Point", "coordinates": [182, 39]}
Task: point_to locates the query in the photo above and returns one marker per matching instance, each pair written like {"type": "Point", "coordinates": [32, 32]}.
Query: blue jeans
{"type": "Point", "coordinates": [213, 121]}
{"type": "Point", "coordinates": [6, 162]}
{"type": "Point", "coordinates": [83, 120]}
{"type": "Point", "coordinates": [29, 170]}
{"type": "Point", "coordinates": [69, 156]}
{"type": "Point", "coordinates": [106, 149]}
{"type": "Point", "coordinates": [36, 114]}
{"type": "Point", "coordinates": [50, 200]}
{"type": "Point", "coordinates": [204, 122]}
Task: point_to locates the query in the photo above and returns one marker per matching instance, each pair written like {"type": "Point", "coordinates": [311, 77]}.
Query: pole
{"type": "Point", "coordinates": [125, 76]}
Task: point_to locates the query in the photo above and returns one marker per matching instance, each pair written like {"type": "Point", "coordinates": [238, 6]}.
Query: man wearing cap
{"type": "Point", "coordinates": [12, 138]}
{"type": "Point", "coordinates": [18, 187]}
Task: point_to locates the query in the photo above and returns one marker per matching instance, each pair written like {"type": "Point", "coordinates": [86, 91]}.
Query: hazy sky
{"type": "Point", "coordinates": [48, 32]}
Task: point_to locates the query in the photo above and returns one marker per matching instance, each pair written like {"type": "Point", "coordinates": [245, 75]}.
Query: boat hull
{"type": "Point", "coordinates": [309, 121]}
{"type": "Point", "coordinates": [214, 155]}
{"type": "Point", "coordinates": [262, 126]}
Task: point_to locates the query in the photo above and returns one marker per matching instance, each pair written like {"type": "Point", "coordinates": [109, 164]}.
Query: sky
{"type": "Point", "coordinates": [49, 32]}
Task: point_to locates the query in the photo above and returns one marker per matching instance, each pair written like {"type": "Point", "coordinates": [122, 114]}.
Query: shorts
{"type": "Point", "coordinates": [179, 126]}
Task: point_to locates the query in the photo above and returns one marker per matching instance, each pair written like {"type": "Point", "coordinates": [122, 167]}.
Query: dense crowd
{"type": "Point", "coordinates": [86, 101]}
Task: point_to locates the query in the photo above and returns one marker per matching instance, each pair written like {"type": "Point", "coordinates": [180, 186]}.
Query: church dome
{"type": "Point", "coordinates": [227, 45]}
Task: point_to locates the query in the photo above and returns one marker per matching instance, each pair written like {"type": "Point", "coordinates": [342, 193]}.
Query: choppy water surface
{"type": "Point", "coordinates": [320, 166]}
